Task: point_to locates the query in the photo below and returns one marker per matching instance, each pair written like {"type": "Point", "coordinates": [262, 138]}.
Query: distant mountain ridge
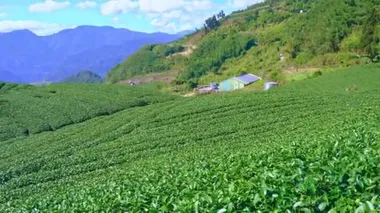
{"type": "Point", "coordinates": [27, 58]}
{"type": "Point", "coordinates": [84, 77]}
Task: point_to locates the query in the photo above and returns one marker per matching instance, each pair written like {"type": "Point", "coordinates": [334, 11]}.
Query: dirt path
{"type": "Point", "coordinates": [293, 70]}
{"type": "Point", "coordinates": [189, 49]}
{"type": "Point", "coordinates": [166, 77]}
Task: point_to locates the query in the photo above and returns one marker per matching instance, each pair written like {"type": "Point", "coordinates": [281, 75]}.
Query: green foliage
{"type": "Point", "coordinates": [221, 15]}
{"type": "Point", "coordinates": [84, 77]}
{"type": "Point", "coordinates": [151, 58]}
{"type": "Point", "coordinates": [353, 42]}
{"type": "Point", "coordinates": [327, 33]}
{"type": "Point", "coordinates": [364, 78]}
{"type": "Point", "coordinates": [166, 50]}
{"type": "Point", "coordinates": [214, 51]}
{"type": "Point", "coordinates": [5, 87]}
{"type": "Point", "coordinates": [308, 33]}
{"type": "Point", "coordinates": [371, 34]}
{"type": "Point", "coordinates": [308, 148]}
{"type": "Point", "coordinates": [212, 23]}
{"type": "Point", "coordinates": [29, 110]}
{"type": "Point", "coordinates": [316, 74]}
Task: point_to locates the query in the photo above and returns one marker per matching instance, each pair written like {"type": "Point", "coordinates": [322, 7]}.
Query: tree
{"type": "Point", "coordinates": [221, 14]}
{"type": "Point", "coordinates": [212, 23]}
{"type": "Point", "coordinates": [206, 29]}
{"type": "Point", "coordinates": [370, 35]}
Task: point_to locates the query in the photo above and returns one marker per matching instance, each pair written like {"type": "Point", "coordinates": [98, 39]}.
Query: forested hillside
{"type": "Point", "coordinates": [306, 33]}
{"type": "Point", "coordinates": [84, 77]}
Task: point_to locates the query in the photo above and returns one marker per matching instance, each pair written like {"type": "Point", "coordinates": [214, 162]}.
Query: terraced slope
{"type": "Point", "coordinates": [26, 110]}
{"type": "Point", "coordinates": [281, 150]}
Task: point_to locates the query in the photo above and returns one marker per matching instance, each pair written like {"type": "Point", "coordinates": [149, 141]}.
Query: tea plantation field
{"type": "Point", "coordinates": [26, 110]}
{"type": "Point", "coordinates": [310, 146]}
{"type": "Point", "coordinates": [360, 79]}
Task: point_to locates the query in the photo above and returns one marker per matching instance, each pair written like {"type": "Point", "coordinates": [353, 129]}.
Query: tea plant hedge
{"type": "Point", "coordinates": [284, 150]}
{"type": "Point", "coordinates": [26, 110]}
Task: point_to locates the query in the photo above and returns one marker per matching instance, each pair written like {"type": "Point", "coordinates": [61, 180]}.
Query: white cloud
{"type": "Point", "coordinates": [86, 4]}
{"type": "Point", "coordinates": [164, 26]}
{"type": "Point", "coordinates": [199, 5]}
{"type": "Point", "coordinates": [169, 5]}
{"type": "Point", "coordinates": [117, 6]}
{"type": "Point", "coordinates": [160, 6]}
{"type": "Point", "coordinates": [48, 6]}
{"type": "Point", "coordinates": [175, 21]}
{"type": "Point", "coordinates": [38, 28]}
{"type": "Point", "coordinates": [2, 14]}
{"type": "Point", "coordinates": [158, 23]}
{"type": "Point", "coordinates": [115, 19]}
{"type": "Point", "coordinates": [150, 6]}
{"type": "Point", "coordinates": [241, 4]}
{"type": "Point", "coordinates": [173, 15]}
{"type": "Point", "coordinates": [185, 26]}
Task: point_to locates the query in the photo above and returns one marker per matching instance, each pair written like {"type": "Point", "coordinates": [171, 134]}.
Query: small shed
{"type": "Point", "coordinates": [238, 82]}
{"type": "Point", "coordinates": [269, 85]}
{"type": "Point", "coordinates": [213, 87]}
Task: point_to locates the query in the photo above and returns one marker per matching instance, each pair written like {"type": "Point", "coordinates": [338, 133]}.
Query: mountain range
{"type": "Point", "coordinates": [26, 57]}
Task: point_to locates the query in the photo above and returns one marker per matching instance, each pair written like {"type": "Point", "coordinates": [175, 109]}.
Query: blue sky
{"type": "Point", "coordinates": [49, 16]}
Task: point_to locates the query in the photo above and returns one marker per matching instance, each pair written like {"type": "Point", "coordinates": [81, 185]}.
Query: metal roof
{"type": "Point", "coordinates": [248, 78]}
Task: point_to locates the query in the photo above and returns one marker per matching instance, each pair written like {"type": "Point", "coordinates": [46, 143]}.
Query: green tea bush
{"type": "Point", "coordinates": [303, 147]}
{"type": "Point", "coordinates": [39, 109]}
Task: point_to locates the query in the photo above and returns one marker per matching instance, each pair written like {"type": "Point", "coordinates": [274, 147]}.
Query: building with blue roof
{"type": "Point", "coordinates": [238, 82]}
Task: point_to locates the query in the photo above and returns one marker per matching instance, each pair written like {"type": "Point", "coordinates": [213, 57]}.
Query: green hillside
{"type": "Point", "coordinates": [26, 110]}
{"type": "Point", "coordinates": [84, 77]}
{"type": "Point", "coordinates": [151, 58]}
{"type": "Point", "coordinates": [310, 146]}
{"type": "Point", "coordinates": [309, 34]}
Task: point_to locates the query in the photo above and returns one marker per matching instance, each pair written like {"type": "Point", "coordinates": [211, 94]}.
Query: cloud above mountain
{"type": "Point", "coordinates": [242, 3]}
{"type": "Point", "coordinates": [3, 14]}
{"type": "Point", "coordinates": [172, 16]}
{"type": "Point", "coordinates": [86, 4]}
{"type": "Point", "coordinates": [39, 28]}
{"type": "Point", "coordinates": [48, 6]}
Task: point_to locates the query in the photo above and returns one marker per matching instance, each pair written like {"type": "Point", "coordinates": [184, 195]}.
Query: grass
{"type": "Point", "coordinates": [29, 110]}
{"type": "Point", "coordinates": [309, 146]}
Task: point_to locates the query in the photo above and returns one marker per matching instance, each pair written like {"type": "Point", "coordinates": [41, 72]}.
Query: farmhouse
{"type": "Point", "coordinates": [238, 82]}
